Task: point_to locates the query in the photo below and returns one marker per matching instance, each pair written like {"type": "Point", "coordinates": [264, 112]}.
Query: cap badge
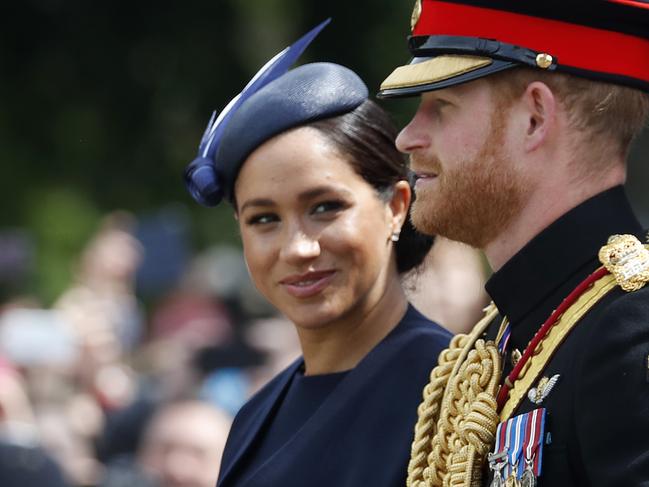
{"type": "Point", "coordinates": [538, 394]}
{"type": "Point", "coordinates": [416, 13]}
{"type": "Point", "coordinates": [544, 60]}
{"type": "Point", "coordinates": [627, 259]}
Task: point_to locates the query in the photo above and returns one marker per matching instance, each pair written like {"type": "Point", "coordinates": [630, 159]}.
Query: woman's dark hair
{"type": "Point", "coordinates": [366, 136]}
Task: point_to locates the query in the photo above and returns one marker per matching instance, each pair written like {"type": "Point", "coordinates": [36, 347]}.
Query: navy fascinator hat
{"type": "Point", "coordinates": [274, 101]}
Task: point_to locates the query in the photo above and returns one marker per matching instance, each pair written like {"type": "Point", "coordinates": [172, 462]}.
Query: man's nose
{"type": "Point", "coordinates": [414, 135]}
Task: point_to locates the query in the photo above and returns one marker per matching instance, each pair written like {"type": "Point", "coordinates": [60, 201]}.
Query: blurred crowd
{"type": "Point", "coordinates": [99, 389]}
{"type": "Point", "coordinates": [133, 375]}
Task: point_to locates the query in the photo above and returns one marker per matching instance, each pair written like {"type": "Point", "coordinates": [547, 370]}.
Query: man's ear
{"type": "Point", "coordinates": [540, 105]}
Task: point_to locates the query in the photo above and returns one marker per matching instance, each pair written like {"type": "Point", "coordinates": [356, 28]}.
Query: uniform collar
{"type": "Point", "coordinates": [566, 248]}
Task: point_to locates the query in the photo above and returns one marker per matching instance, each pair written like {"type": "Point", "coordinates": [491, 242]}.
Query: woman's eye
{"type": "Point", "coordinates": [326, 207]}
{"type": "Point", "coordinates": [262, 219]}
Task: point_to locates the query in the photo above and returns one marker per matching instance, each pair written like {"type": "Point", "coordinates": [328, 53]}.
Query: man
{"type": "Point", "coordinates": [519, 147]}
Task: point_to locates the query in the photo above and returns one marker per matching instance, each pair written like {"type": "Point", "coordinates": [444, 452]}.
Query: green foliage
{"type": "Point", "coordinates": [61, 220]}
{"type": "Point", "coordinates": [105, 102]}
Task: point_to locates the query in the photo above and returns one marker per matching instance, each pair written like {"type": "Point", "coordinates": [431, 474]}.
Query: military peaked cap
{"type": "Point", "coordinates": [456, 41]}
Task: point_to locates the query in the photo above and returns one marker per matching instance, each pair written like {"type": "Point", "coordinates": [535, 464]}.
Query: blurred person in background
{"type": "Point", "coordinates": [22, 466]}
{"type": "Point", "coordinates": [321, 196]}
{"type": "Point", "coordinates": [183, 444]}
{"type": "Point", "coordinates": [449, 288]}
{"type": "Point", "coordinates": [277, 339]}
{"type": "Point", "coordinates": [17, 423]}
{"type": "Point", "coordinates": [102, 314]}
{"type": "Point", "coordinates": [42, 404]}
{"type": "Point", "coordinates": [101, 305]}
{"type": "Point", "coordinates": [194, 347]}
{"type": "Point", "coordinates": [23, 461]}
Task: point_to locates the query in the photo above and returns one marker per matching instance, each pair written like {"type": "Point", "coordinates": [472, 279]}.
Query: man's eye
{"type": "Point", "coordinates": [438, 106]}
{"type": "Point", "coordinates": [262, 219]}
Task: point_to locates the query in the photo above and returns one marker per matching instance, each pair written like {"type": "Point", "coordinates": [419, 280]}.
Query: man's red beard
{"type": "Point", "coordinates": [472, 201]}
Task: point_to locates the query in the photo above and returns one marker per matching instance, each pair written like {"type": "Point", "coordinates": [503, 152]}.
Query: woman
{"type": "Point", "coordinates": [321, 197]}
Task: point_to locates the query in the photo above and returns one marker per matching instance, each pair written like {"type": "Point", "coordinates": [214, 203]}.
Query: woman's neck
{"type": "Point", "coordinates": [342, 344]}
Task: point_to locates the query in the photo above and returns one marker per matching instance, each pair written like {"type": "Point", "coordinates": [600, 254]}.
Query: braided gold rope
{"type": "Point", "coordinates": [452, 431]}
{"type": "Point", "coordinates": [428, 410]}
{"type": "Point", "coordinates": [467, 421]}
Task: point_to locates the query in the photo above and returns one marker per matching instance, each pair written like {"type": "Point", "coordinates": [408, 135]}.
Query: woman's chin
{"type": "Point", "coordinates": [313, 317]}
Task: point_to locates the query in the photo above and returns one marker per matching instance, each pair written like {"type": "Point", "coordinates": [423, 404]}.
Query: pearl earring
{"type": "Point", "coordinates": [395, 236]}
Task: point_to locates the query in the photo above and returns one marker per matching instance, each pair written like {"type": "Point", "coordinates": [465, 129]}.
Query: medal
{"type": "Point", "coordinates": [512, 481]}
{"type": "Point", "coordinates": [497, 481]}
{"type": "Point", "coordinates": [496, 463]}
{"type": "Point", "coordinates": [516, 458]}
{"type": "Point", "coordinates": [514, 453]}
{"type": "Point", "coordinates": [531, 446]}
{"type": "Point", "coordinates": [528, 479]}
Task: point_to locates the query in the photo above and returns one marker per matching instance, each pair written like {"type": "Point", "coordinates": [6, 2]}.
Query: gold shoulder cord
{"type": "Point", "coordinates": [455, 419]}
{"type": "Point", "coordinates": [458, 417]}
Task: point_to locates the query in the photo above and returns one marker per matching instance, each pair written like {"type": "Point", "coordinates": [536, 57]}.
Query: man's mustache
{"type": "Point", "coordinates": [429, 164]}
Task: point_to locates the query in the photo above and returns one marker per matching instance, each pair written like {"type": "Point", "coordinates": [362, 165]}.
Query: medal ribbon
{"type": "Point", "coordinates": [508, 440]}
{"type": "Point", "coordinates": [500, 438]}
{"type": "Point", "coordinates": [514, 454]}
{"type": "Point", "coordinates": [528, 441]}
{"type": "Point", "coordinates": [540, 428]}
{"type": "Point", "coordinates": [504, 339]}
{"type": "Point", "coordinates": [521, 438]}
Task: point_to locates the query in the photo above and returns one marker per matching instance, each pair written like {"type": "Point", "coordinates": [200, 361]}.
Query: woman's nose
{"type": "Point", "coordinates": [299, 246]}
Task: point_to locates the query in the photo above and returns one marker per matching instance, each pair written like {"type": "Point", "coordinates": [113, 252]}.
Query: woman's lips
{"type": "Point", "coordinates": [308, 284]}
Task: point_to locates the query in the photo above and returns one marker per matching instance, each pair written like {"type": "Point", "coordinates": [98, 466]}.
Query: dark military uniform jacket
{"type": "Point", "coordinates": [597, 428]}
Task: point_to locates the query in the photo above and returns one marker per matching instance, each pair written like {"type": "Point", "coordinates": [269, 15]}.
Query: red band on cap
{"type": "Point", "coordinates": [633, 3]}
{"type": "Point", "coordinates": [572, 45]}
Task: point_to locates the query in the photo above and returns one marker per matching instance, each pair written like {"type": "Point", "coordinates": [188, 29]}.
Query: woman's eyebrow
{"type": "Point", "coordinates": [303, 196]}
{"type": "Point", "coordinates": [265, 202]}
{"type": "Point", "coordinates": [319, 191]}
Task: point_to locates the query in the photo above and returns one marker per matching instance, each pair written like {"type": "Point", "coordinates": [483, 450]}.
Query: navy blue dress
{"type": "Point", "coordinates": [337, 430]}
